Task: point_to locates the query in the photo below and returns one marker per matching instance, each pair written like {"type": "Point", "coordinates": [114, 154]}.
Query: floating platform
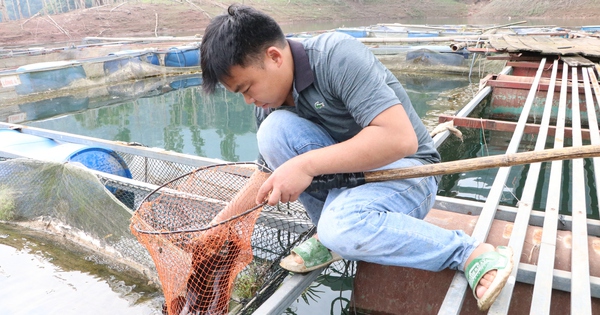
{"type": "Point", "coordinates": [540, 100]}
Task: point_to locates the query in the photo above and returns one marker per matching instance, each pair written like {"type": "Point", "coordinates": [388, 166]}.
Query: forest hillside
{"type": "Point", "coordinates": [27, 22]}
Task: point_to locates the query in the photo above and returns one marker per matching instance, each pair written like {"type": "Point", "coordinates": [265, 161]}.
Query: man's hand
{"type": "Point", "coordinates": [286, 183]}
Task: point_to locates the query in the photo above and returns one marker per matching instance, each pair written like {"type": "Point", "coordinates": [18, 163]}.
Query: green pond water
{"type": "Point", "coordinates": [175, 116]}
{"type": "Point", "coordinates": [178, 116]}
{"type": "Point", "coordinates": [40, 274]}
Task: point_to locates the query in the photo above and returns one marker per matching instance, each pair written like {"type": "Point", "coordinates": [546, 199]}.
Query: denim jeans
{"type": "Point", "coordinates": [377, 222]}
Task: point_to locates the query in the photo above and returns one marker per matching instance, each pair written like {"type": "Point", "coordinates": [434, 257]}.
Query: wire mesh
{"type": "Point", "coordinates": [278, 228]}
{"type": "Point", "coordinates": [199, 228]}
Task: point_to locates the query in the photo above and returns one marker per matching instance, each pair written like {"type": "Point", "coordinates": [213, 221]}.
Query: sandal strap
{"type": "Point", "coordinates": [313, 253]}
{"type": "Point", "coordinates": [482, 264]}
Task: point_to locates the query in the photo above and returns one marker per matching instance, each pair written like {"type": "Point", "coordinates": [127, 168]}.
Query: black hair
{"type": "Point", "coordinates": [236, 38]}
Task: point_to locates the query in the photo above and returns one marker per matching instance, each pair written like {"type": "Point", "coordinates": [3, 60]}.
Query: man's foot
{"type": "Point", "coordinates": [487, 271]}
{"type": "Point", "coordinates": [309, 256]}
{"type": "Point", "coordinates": [487, 279]}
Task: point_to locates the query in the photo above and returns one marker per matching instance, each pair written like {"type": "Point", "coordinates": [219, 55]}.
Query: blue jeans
{"type": "Point", "coordinates": [375, 222]}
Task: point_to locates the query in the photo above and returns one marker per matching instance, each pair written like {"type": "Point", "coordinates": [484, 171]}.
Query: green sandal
{"type": "Point", "coordinates": [314, 256]}
{"type": "Point", "coordinates": [501, 260]}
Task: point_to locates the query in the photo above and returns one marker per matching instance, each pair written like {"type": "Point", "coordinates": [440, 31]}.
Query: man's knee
{"type": "Point", "coordinates": [338, 239]}
{"type": "Point", "coordinates": [271, 137]}
{"type": "Point", "coordinates": [269, 129]}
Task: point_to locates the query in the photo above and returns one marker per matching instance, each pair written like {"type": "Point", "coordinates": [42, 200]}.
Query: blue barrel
{"type": "Point", "coordinates": [40, 148]}
{"type": "Point", "coordinates": [182, 57]}
{"type": "Point", "coordinates": [46, 76]}
{"type": "Point", "coordinates": [180, 84]}
{"type": "Point", "coordinates": [423, 34]}
{"type": "Point", "coordinates": [129, 56]}
{"type": "Point", "coordinates": [124, 58]}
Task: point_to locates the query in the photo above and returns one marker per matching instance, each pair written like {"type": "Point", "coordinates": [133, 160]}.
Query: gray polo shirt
{"type": "Point", "coordinates": [340, 85]}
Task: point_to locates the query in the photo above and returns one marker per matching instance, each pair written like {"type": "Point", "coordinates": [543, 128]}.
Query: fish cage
{"type": "Point", "coordinates": [277, 229]}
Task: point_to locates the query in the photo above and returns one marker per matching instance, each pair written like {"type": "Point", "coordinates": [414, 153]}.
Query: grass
{"type": "Point", "coordinates": [7, 204]}
{"type": "Point", "coordinates": [250, 280]}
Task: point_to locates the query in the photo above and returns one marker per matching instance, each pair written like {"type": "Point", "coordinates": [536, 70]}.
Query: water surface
{"type": "Point", "coordinates": [180, 117]}
{"type": "Point", "coordinates": [38, 275]}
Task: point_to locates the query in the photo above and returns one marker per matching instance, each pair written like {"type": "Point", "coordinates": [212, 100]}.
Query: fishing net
{"type": "Point", "coordinates": [198, 229]}
{"type": "Point", "coordinates": [94, 209]}
{"type": "Point", "coordinates": [66, 199]}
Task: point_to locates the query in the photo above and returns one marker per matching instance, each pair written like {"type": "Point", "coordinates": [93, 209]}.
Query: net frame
{"type": "Point", "coordinates": [196, 257]}
{"type": "Point", "coordinates": [278, 229]}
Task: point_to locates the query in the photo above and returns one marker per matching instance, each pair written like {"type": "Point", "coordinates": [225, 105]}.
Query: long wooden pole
{"type": "Point", "coordinates": [480, 163]}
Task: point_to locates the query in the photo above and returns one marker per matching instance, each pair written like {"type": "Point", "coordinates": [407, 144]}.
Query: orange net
{"type": "Point", "coordinates": [198, 230]}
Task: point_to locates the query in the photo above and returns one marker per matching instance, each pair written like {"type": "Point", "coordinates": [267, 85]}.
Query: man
{"type": "Point", "coordinates": [325, 106]}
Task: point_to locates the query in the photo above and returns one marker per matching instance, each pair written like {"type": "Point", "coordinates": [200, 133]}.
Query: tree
{"type": "Point", "coordinates": [4, 11]}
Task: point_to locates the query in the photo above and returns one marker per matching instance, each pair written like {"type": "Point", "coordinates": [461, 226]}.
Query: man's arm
{"type": "Point", "coordinates": [389, 137]}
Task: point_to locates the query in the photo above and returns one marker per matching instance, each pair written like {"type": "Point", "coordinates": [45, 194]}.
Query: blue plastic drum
{"type": "Point", "coordinates": [40, 148]}
{"type": "Point", "coordinates": [182, 57]}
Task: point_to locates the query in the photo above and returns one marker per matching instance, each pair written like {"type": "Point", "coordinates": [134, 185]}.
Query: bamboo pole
{"type": "Point", "coordinates": [118, 6]}
{"type": "Point", "coordinates": [156, 24]}
{"type": "Point", "coordinates": [480, 163]}
{"type": "Point", "coordinates": [59, 27]}
{"type": "Point", "coordinates": [37, 14]}
{"type": "Point", "coordinates": [457, 38]}
{"type": "Point", "coordinates": [504, 25]}
{"type": "Point", "coordinates": [137, 39]}
{"type": "Point", "coordinates": [330, 181]}
{"type": "Point", "coordinates": [458, 46]}
{"type": "Point", "coordinates": [199, 8]}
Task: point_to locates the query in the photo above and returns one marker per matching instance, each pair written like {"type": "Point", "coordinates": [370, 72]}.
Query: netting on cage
{"type": "Point", "coordinates": [198, 229]}
{"type": "Point", "coordinates": [89, 209]}
{"type": "Point", "coordinates": [69, 200]}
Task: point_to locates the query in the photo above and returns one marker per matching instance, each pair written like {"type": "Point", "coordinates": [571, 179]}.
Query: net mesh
{"type": "Point", "coordinates": [68, 200]}
{"type": "Point", "coordinates": [198, 230]}
{"type": "Point", "coordinates": [103, 217]}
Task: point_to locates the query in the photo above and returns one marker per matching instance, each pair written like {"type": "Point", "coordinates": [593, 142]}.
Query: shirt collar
{"type": "Point", "coordinates": [303, 75]}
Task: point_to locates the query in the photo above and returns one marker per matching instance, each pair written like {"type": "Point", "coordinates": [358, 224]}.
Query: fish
{"type": "Point", "coordinates": [207, 287]}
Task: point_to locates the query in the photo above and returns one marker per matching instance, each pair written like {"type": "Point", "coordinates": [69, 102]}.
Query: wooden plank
{"type": "Point", "coordinates": [499, 44]}
{"type": "Point", "coordinates": [515, 57]}
{"type": "Point", "coordinates": [590, 46]}
{"type": "Point", "coordinates": [503, 56]}
{"type": "Point", "coordinates": [527, 64]}
{"type": "Point", "coordinates": [521, 83]}
{"type": "Point", "coordinates": [519, 232]}
{"type": "Point", "coordinates": [594, 129]}
{"type": "Point", "coordinates": [455, 295]}
{"type": "Point", "coordinates": [467, 109]}
{"type": "Point", "coordinates": [508, 126]}
{"type": "Point", "coordinates": [551, 45]}
{"type": "Point", "coordinates": [508, 213]}
{"type": "Point", "coordinates": [521, 43]}
{"type": "Point", "coordinates": [565, 46]}
{"type": "Point", "coordinates": [580, 269]}
{"type": "Point", "coordinates": [577, 61]}
{"type": "Point", "coordinates": [574, 46]}
{"type": "Point", "coordinates": [583, 46]}
{"type": "Point", "coordinates": [542, 290]}
{"type": "Point", "coordinates": [543, 43]}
